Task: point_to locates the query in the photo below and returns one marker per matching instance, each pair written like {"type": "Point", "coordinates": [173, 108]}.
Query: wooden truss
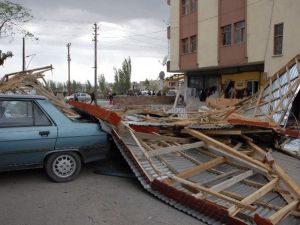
{"type": "Point", "coordinates": [273, 102]}
{"type": "Point", "coordinates": [244, 168]}
{"type": "Point", "coordinates": [25, 81]}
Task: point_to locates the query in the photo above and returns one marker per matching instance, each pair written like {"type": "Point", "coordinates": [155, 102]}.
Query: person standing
{"type": "Point", "coordinates": [93, 98]}
{"type": "Point", "coordinates": [76, 97]}
{"type": "Point", "coordinates": [110, 97]}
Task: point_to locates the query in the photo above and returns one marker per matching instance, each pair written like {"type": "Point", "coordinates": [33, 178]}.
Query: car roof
{"type": "Point", "coordinates": [12, 96]}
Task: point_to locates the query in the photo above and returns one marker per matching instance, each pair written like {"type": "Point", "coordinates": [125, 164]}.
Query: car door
{"type": "Point", "coordinates": [26, 133]}
{"type": "Point", "coordinates": [82, 97]}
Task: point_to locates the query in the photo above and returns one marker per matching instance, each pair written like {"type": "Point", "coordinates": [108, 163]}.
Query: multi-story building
{"type": "Point", "coordinates": [232, 42]}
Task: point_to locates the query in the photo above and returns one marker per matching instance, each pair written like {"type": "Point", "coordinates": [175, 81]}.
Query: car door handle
{"type": "Point", "coordinates": [44, 133]}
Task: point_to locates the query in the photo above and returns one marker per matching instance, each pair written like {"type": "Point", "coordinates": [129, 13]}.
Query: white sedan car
{"type": "Point", "coordinates": [82, 97]}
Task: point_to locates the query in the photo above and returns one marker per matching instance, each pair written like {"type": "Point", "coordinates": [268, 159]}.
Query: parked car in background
{"type": "Point", "coordinates": [34, 133]}
{"type": "Point", "coordinates": [82, 97]}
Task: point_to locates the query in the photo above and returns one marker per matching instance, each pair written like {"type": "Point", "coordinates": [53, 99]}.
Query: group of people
{"type": "Point", "coordinates": [203, 94]}
{"type": "Point", "coordinates": [93, 98]}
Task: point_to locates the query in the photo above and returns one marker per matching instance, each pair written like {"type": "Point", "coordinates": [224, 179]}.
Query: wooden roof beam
{"type": "Point", "coordinates": [255, 196]}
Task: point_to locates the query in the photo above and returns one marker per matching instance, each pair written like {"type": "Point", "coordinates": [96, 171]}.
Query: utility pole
{"type": "Point", "coordinates": [96, 28]}
{"type": "Point", "coordinates": [69, 61]}
{"type": "Point", "coordinates": [23, 57]}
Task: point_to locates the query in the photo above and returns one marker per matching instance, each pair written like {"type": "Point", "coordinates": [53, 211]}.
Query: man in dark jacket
{"type": "Point", "coordinates": [93, 98]}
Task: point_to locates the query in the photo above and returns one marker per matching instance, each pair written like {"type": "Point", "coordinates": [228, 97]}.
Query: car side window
{"type": "Point", "coordinates": [16, 113]}
{"type": "Point", "coordinates": [40, 119]}
{"type": "Point", "coordinates": [21, 114]}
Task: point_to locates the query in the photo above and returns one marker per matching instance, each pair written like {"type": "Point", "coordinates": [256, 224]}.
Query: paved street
{"type": "Point", "coordinates": [29, 198]}
{"type": "Point", "coordinates": [289, 164]}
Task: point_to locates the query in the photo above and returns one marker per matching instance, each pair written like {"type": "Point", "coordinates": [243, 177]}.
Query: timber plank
{"type": "Point", "coordinates": [225, 148]}
{"type": "Point", "coordinates": [162, 137]}
{"type": "Point", "coordinates": [202, 167]}
{"type": "Point", "coordinates": [255, 196]}
{"type": "Point", "coordinates": [171, 149]}
{"type": "Point", "coordinates": [284, 212]}
{"type": "Point", "coordinates": [216, 194]}
{"type": "Point", "coordinates": [228, 183]}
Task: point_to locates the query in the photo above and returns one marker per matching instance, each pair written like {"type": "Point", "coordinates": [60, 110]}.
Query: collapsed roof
{"type": "Point", "coordinates": [215, 165]}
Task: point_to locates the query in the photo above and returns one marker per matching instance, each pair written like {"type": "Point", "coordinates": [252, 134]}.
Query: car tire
{"type": "Point", "coordinates": [63, 167]}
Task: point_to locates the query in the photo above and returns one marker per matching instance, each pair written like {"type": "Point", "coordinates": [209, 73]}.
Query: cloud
{"type": "Point", "coordinates": [115, 11]}
{"type": "Point", "coordinates": [132, 28]}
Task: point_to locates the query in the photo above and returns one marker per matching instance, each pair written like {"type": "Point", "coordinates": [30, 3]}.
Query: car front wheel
{"type": "Point", "coordinates": [63, 167]}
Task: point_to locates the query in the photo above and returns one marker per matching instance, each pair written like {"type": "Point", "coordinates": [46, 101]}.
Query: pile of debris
{"type": "Point", "coordinates": [32, 82]}
{"type": "Point", "coordinates": [216, 165]}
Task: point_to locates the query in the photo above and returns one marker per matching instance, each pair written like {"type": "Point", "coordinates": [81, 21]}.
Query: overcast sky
{"type": "Point", "coordinates": [135, 28]}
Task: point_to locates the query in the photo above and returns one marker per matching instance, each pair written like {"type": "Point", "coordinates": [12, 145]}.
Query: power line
{"type": "Point", "coordinates": [135, 35]}
{"type": "Point", "coordinates": [147, 42]}
{"type": "Point", "coordinates": [270, 28]}
{"type": "Point", "coordinates": [139, 35]}
{"type": "Point", "coordinates": [140, 41]}
{"type": "Point", "coordinates": [177, 27]}
{"type": "Point", "coordinates": [163, 30]}
{"type": "Point", "coordinates": [142, 46]}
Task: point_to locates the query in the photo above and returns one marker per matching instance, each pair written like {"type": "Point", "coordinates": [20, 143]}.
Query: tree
{"type": "Point", "coordinates": [60, 87]}
{"type": "Point", "coordinates": [52, 85]}
{"type": "Point", "coordinates": [123, 77]}
{"type": "Point", "coordinates": [117, 82]}
{"type": "Point", "coordinates": [76, 86]}
{"type": "Point", "coordinates": [4, 56]}
{"type": "Point", "coordinates": [102, 85]}
{"type": "Point", "coordinates": [88, 87]}
{"type": "Point", "coordinates": [12, 17]}
{"type": "Point", "coordinates": [147, 84]}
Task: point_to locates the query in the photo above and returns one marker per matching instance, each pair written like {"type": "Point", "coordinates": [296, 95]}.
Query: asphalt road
{"type": "Point", "coordinates": [29, 198]}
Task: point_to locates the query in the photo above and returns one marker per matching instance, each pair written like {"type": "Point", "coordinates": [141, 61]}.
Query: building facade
{"type": "Point", "coordinates": [231, 43]}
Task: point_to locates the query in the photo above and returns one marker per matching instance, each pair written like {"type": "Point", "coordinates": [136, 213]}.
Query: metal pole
{"type": "Point", "coordinates": [96, 28]}
{"type": "Point", "coordinates": [24, 61]}
{"type": "Point", "coordinates": [69, 69]}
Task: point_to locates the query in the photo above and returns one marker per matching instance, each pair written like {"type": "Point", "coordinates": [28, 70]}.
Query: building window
{"type": "Point", "coordinates": [226, 35]}
{"type": "Point", "coordinates": [278, 39]}
{"type": "Point", "coordinates": [185, 45]}
{"type": "Point", "coordinates": [185, 7]}
{"type": "Point", "coordinates": [193, 44]}
{"type": "Point", "coordinates": [195, 82]}
{"type": "Point", "coordinates": [172, 84]}
{"type": "Point", "coordinates": [252, 87]}
{"type": "Point", "coordinates": [239, 32]}
{"type": "Point", "coordinates": [194, 5]}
